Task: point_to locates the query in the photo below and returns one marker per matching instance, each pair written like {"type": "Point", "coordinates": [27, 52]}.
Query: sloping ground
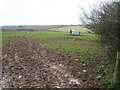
{"type": "Point", "coordinates": [28, 63]}
{"type": "Point", "coordinates": [68, 28]}
{"type": "Point", "coordinates": [31, 28]}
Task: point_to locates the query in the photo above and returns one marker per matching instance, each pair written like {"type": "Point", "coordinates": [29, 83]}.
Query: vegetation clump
{"type": "Point", "coordinates": [105, 21]}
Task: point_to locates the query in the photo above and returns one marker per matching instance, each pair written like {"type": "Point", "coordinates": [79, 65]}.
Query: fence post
{"type": "Point", "coordinates": [116, 76]}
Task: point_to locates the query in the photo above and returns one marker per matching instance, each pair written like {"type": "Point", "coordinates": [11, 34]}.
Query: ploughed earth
{"type": "Point", "coordinates": [27, 63]}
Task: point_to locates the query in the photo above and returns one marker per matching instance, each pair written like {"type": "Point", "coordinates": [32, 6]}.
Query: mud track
{"type": "Point", "coordinates": [27, 63]}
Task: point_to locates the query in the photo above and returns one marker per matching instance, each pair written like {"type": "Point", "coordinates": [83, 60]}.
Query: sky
{"type": "Point", "coordinates": [43, 12]}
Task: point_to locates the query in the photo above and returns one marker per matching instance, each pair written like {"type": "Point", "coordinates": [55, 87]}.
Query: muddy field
{"type": "Point", "coordinates": [28, 63]}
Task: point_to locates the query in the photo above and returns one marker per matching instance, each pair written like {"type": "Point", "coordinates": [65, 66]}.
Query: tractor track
{"type": "Point", "coordinates": [27, 63]}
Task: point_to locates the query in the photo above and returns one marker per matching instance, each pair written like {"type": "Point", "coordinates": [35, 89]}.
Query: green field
{"type": "Point", "coordinates": [45, 35]}
{"type": "Point", "coordinates": [86, 46]}
{"type": "Point", "coordinates": [67, 29]}
{"type": "Point", "coordinates": [37, 28]}
{"type": "Point", "coordinates": [56, 28]}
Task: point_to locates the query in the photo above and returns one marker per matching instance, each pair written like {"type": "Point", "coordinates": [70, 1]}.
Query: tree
{"type": "Point", "coordinates": [105, 21]}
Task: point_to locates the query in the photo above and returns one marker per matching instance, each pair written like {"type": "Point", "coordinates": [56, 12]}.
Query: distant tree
{"type": "Point", "coordinates": [104, 20]}
{"type": "Point", "coordinates": [21, 26]}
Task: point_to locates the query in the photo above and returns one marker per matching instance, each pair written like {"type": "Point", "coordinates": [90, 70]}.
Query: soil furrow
{"type": "Point", "coordinates": [26, 63]}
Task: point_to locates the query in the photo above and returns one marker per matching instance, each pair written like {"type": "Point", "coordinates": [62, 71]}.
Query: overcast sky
{"type": "Point", "coordinates": [42, 12]}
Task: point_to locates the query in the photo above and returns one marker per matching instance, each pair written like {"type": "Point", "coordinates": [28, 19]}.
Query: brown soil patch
{"type": "Point", "coordinates": [28, 63]}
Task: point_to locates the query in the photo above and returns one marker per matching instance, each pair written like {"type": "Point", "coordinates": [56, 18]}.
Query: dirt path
{"type": "Point", "coordinates": [28, 63]}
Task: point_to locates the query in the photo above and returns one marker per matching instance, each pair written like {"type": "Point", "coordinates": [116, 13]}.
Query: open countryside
{"type": "Point", "coordinates": [51, 57]}
{"type": "Point", "coordinates": [60, 44]}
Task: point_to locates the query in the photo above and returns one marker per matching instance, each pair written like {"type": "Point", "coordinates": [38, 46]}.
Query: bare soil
{"type": "Point", "coordinates": [27, 63]}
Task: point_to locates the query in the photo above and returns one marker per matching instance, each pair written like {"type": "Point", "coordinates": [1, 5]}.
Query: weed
{"type": "Point", "coordinates": [83, 59]}
{"type": "Point", "coordinates": [106, 80]}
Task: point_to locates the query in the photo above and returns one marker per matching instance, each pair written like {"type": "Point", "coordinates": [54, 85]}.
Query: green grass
{"type": "Point", "coordinates": [33, 34]}
{"type": "Point", "coordinates": [87, 36]}
{"type": "Point", "coordinates": [104, 67]}
{"type": "Point", "coordinates": [107, 81]}
{"type": "Point", "coordinates": [44, 35]}
{"type": "Point", "coordinates": [90, 50]}
{"type": "Point", "coordinates": [87, 47]}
